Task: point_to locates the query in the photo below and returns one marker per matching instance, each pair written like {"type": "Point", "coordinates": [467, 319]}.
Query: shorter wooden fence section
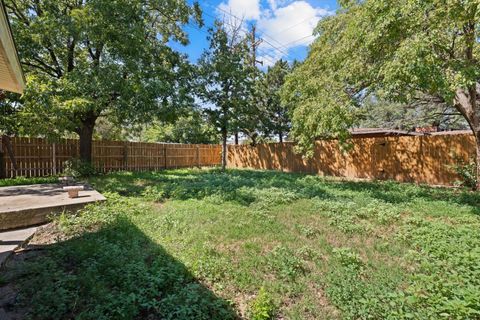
{"type": "Point", "coordinates": [35, 157]}
{"type": "Point", "coordinates": [420, 159]}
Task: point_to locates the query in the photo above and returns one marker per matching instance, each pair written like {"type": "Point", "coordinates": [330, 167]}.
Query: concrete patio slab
{"type": "Point", "coordinates": [12, 240]}
{"type": "Point", "coordinates": [22, 206]}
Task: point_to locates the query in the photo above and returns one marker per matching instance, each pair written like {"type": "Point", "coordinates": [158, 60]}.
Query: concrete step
{"type": "Point", "coordinates": [23, 206]}
{"type": "Point", "coordinates": [12, 240]}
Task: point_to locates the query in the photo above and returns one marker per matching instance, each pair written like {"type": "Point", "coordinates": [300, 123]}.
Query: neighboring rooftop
{"type": "Point", "coordinates": [384, 132]}
{"type": "Point", "coordinates": [11, 75]}
{"type": "Point", "coordinates": [380, 132]}
{"type": "Point", "coordinates": [451, 132]}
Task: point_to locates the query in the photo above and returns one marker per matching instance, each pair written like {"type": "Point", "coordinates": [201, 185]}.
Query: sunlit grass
{"type": "Point", "coordinates": [252, 243]}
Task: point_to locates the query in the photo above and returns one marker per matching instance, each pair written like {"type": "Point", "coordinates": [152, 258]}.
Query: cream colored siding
{"type": "Point", "coordinates": [11, 75]}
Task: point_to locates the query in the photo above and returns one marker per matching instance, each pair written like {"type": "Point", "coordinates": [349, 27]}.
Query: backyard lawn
{"type": "Point", "coordinates": [202, 244]}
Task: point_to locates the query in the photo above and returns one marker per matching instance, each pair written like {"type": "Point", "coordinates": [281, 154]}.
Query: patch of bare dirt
{"type": "Point", "coordinates": [45, 235]}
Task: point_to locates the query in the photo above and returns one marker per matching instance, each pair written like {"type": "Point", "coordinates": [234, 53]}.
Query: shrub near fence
{"type": "Point", "coordinates": [420, 159]}
{"type": "Point", "coordinates": [36, 157]}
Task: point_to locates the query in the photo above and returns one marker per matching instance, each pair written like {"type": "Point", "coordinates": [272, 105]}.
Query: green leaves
{"type": "Point", "coordinates": [273, 114]}
{"type": "Point", "coordinates": [189, 128]}
{"type": "Point", "coordinates": [224, 78]}
{"type": "Point", "coordinates": [403, 48]}
{"type": "Point", "coordinates": [86, 59]}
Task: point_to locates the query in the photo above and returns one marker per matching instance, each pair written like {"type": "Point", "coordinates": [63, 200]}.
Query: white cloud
{"type": "Point", "coordinates": [291, 25]}
{"type": "Point", "coordinates": [285, 24]}
{"type": "Point", "coordinates": [243, 9]}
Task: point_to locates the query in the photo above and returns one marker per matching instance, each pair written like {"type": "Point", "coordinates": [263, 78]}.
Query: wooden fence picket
{"type": "Point", "coordinates": [36, 157]}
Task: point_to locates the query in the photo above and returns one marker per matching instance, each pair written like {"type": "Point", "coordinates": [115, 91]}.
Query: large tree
{"type": "Point", "coordinates": [408, 49]}
{"type": "Point", "coordinates": [275, 113]}
{"type": "Point", "coordinates": [224, 80]}
{"type": "Point", "coordinates": [90, 58]}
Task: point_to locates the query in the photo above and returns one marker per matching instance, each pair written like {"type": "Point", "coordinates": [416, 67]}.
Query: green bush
{"type": "Point", "coordinates": [285, 263]}
{"type": "Point", "coordinates": [467, 172]}
{"type": "Point", "coordinates": [263, 306]}
{"type": "Point", "coordinates": [78, 168]}
{"type": "Point", "coordinates": [348, 258]}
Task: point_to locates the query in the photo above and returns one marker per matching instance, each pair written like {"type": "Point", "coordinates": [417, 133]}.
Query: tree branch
{"type": "Point", "coordinates": [71, 55]}
{"type": "Point", "coordinates": [42, 67]}
{"type": "Point", "coordinates": [17, 12]}
{"type": "Point", "coordinates": [54, 58]}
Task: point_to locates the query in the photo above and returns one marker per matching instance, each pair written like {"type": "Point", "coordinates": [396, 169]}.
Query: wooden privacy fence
{"type": "Point", "coordinates": [420, 159]}
{"type": "Point", "coordinates": [34, 157]}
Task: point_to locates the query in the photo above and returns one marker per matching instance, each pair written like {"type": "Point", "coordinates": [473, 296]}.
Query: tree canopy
{"type": "Point", "coordinates": [407, 49]}
{"type": "Point", "coordinates": [190, 128]}
{"type": "Point", "coordinates": [224, 80]}
{"type": "Point", "coordinates": [275, 119]}
{"type": "Point", "coordinates": [86, 59]}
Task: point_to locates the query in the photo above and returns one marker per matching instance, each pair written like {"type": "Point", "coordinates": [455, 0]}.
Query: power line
{"type": "Point", "coordinates": [293, 26]}
{"type": "Point", "coordinates": [246, 31]}
{"type": "Point", "coordinates": [264, 34]}
{"type": "Point", "coordinates": [294, 41]}
{"type": "Point", "coordinates": [276, 48]}
{"type": "Point", "coordinates": [265, 56]}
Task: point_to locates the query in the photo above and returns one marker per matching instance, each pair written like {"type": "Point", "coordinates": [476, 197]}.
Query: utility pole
{"type": "Point", "coordinates": [255, 44]}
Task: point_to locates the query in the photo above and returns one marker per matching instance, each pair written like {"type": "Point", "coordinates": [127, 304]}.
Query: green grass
{"type": "Point", "coordinates": [23, 181]}
{"type": "Point", "coordinates": [201, 244]}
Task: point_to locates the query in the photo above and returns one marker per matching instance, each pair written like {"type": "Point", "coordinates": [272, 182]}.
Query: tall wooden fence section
{"type": "Point", "coordinates": [421, 159]}
{"type": "Point", "coordinates": [34, 157]}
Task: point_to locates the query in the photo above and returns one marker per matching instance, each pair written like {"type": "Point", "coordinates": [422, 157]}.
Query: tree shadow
{"type": "Point", "coordinates": [230, 185]}
{"type": "Point", "coordinates": [116, 272]}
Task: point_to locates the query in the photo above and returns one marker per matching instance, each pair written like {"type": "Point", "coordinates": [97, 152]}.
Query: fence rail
{"type": "Point", "coordinates": [421, 159]}
{"type": "Point", "coordinates": [34, 157]}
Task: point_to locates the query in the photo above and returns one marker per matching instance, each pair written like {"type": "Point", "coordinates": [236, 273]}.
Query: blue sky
{"type": "Point", "coordinates": [285, 26]}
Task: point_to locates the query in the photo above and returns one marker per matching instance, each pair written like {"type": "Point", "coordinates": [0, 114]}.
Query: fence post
{"type": "Point", "coordinates": [54, 159]}
{"type": "Point", "coordinates": [11, 154]}
{"type": "Point", "coordinates": [198, 156]}
{"type": "Point", "coordinates": [125, 156]}
{"type": "Point", "coordinates": [2, 161]}
{"type": "Point", "coordinates": [282, 156]}
{"type": "Point", "coordinates": [165, 156]}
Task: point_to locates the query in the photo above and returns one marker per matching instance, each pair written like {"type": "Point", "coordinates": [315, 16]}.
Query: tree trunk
{"type": "Point", "coordinates": [254, 139]}
{"type": "Point", "coordinates": [280, 137]}
{"type": "Point", "coordinates": [224, 149]}
{"type": "Point", "coordinates": [85, 132]}
{"type": "Point", "coordinates": [466, 104]}
{"type": "Point", "coordinates": [477, 140]}
{"type": "Point", "coordinates": [236, 138]}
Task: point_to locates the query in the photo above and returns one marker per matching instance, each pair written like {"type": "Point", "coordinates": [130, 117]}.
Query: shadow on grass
{"type": "Point", "coordinates": [198, 184]}
{"type": "Point", "coordinates": [114, 273]}
{"type": "Point", "coordinates": [233, 185]}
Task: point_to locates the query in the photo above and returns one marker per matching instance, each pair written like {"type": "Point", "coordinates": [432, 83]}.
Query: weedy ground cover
{"type": "Point", "coordinates": [202, 244]}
